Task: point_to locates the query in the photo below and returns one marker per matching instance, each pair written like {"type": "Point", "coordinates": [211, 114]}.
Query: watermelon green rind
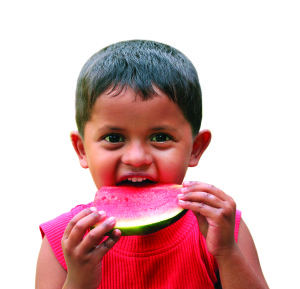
{"type": "Point", "coordinates": [148, 228]}
{"type": "Point", "coordinates": [143, 210]}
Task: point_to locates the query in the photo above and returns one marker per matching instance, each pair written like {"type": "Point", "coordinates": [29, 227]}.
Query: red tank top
{"type": "Point", "coordinates": [175, 257]}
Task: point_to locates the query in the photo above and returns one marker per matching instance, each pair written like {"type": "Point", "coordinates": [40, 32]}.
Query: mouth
{"type": "Point", "coordinates": [136, 181]}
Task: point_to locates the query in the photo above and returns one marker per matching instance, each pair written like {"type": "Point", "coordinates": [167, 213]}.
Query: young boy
{"type": "Point", "coordinates": [138, 112]}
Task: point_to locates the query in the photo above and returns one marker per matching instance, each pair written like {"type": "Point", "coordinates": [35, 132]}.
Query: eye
{"type": "Point", "coordinates": [160, 137]}
{"type": "Point", "coordinates": [114, 138]}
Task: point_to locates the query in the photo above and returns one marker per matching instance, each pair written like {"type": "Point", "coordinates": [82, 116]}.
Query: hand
{"type": "Point", "coordinates": [83, 255]}
{"type": "Point", "coordinates": [215, 212]}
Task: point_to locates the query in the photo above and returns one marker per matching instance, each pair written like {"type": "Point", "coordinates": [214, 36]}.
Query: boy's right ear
{"type": "Point", "coordinates": [78, 146]}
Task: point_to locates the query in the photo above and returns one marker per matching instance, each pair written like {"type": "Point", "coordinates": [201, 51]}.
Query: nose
{"type": "Point", "coordinates": [136, 155]}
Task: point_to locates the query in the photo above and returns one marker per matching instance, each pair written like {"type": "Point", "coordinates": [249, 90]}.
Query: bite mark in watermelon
{"type": "Point", "coordinates": [140, 210]}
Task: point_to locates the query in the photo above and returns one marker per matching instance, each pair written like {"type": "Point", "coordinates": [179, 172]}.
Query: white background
{"type": "Point", "coordinates": [247, 57]}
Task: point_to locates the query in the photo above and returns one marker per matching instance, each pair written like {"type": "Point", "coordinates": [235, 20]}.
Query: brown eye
{"type": "Point", "coordinates": [161, 137]}
{"type": "Point", "coordinates": [114, 138]}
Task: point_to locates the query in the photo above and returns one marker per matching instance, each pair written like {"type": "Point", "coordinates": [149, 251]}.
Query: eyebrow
{"type": "Point", "coordinates": [113, 128]}
{"type": "Point", "coordinates": [159, 128]}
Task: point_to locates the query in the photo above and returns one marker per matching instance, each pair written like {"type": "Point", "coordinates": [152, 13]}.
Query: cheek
{"type": "Point", "coordinates": [174, 166]}
{"type": "Point", "coordinates": [102, 167]}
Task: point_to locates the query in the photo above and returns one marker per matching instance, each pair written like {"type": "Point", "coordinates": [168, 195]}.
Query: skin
{"type": "Point", "coordinates": [130, 138]}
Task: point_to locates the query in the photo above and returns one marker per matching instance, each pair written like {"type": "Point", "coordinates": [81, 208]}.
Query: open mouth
{"type": "Point", "coordinates": [136, 181]}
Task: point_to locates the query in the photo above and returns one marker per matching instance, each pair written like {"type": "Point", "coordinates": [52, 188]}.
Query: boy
{"type": "Point", "coordinates": [138, 112]}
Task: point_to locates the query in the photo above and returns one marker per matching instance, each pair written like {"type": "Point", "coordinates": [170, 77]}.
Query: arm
{"type": "Point", "coordinates": [215, 211]}
{"type": "Point", "coordinates": [48, 267]}
{"type": "Point", "coordinates": [242, 267]}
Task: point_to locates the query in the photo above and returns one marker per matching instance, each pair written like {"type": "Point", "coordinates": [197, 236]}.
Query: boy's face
{"type": "Point", "coordinates": [128, 139]}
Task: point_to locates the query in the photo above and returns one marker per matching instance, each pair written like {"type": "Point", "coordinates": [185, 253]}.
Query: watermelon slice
{"type": "Point", "coordinates": [140, 210]}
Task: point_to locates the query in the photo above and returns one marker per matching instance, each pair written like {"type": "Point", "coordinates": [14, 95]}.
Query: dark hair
{"type": "Point", "coordinates": [141, 65]}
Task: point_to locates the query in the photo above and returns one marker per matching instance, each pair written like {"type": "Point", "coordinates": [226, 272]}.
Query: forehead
{"type": "Point", "coordinates": [128, 107]}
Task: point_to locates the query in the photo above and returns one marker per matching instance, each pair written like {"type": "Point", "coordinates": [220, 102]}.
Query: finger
{"type": "Point", "coordinates": [203, 187]}
{"type": "Point", "coordinates": [96, 234]}
{"type": "Point", "coordinates": [228, 204]}
{"type": "Point", "coordinates": [74, 221]}
{"type": "Point", "coordinates": [81, 225]}
{"type": "Point", "coordinates": [226, 211]}
{"type": "Point", "coordinates": [105, 246]}
{"type": "Point", "coordinates": [202, 197]}
{"type": "Point", "coordinates": [199, 207]}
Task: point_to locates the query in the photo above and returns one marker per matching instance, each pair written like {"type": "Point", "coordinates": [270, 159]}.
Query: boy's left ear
{"type": "Point", "coordinates": [201, 142]}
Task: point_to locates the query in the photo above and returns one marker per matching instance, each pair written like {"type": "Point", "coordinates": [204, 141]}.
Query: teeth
{"type": "Point", "coordinates": [136, 179]}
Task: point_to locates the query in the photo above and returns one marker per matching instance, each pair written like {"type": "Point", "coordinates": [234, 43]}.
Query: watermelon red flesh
{"type": "Point", "coordinates": [140, 210]}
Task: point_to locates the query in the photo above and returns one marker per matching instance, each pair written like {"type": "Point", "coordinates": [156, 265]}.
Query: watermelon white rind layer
{"type": "Point", "coordinates": [140, 210]}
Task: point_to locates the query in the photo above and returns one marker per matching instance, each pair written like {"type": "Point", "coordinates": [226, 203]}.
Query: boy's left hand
{"type": "Point", "coordinates": [215, 212]}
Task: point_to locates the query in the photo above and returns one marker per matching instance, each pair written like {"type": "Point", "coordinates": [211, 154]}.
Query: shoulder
{"type": "Point", "coordinates": [245, 239]}
{"type": "Point", "coordinates": [61, 221]}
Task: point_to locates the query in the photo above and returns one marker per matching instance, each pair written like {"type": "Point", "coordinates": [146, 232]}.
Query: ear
{"type": "Point", "coordinates": [77, 143]}
{"type": "Point", "coordinates": [201, 142]}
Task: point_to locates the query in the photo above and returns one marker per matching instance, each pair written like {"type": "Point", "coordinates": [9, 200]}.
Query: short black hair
{"type": "Point", "coordinates": [140, 64]}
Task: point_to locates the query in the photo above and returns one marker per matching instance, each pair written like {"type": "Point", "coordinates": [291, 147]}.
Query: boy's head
{"type": "Point", "coordinates": [141, 65]}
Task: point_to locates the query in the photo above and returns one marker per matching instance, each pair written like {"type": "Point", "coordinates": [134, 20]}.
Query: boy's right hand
{"type": "Point", "coordinates": [84, 255]}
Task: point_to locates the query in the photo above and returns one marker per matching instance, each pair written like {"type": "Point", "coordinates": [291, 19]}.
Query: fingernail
{"type": "Point", "coordinates": [111, 220]}
{"type": "Point", "coordinates": [188, 183]}
{"type": "Point", "coordinates": [102, 213]}
{"type": "Point", "coordinates": [180, 196]}
{"type": "Point", "coordinates": [184, 190]}
{"type": "Point", "coordinates": [93, 209]}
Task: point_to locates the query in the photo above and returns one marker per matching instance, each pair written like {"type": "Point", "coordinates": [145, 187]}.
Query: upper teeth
{"type": "Point", "coordinates": [136, 179]}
